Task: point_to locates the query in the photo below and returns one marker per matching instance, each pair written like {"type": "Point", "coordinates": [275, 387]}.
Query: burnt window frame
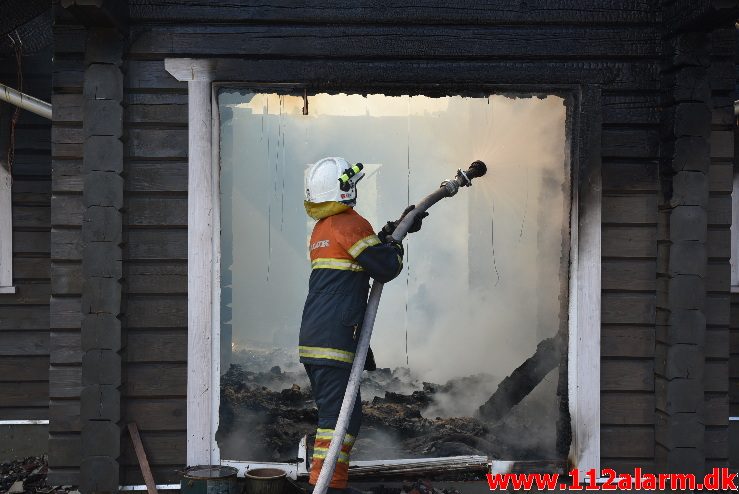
{"type": "Point", "coordinates": [583, 129]}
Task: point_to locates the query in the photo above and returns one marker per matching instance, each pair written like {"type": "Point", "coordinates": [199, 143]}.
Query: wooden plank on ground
{"type": "Point", "coordinates": [141, 457]}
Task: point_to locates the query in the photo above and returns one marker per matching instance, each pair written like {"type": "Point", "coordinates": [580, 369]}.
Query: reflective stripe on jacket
{"type": "Point", "coordinates": [344, 253]}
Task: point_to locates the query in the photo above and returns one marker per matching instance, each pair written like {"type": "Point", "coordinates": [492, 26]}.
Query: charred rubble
{"type": "Point", "coordinates": [264, 415]}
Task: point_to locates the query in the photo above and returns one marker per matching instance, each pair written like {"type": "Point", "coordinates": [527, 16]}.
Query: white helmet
{"type": "Point", "coordinates": [333, 179]}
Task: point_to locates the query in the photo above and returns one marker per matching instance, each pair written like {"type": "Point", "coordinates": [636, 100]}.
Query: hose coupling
{"type": "Point", "coordinates": [450, 186]}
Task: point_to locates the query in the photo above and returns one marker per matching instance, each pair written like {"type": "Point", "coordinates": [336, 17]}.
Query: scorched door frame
{"type": "Point", "coordinates": [205, 76]}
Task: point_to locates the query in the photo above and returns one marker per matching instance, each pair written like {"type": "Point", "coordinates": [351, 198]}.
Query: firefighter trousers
{"type": "Point", "coordinates": [329, 386]}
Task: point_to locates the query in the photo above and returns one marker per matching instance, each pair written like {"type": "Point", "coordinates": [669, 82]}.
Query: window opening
{"type": "Point", "coordinates": [486, 279]}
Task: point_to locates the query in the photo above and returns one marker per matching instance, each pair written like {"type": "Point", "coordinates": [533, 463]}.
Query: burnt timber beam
{"type": "Point", "coordinates": [99, 13]}
{"type": "Point", "coordinates": [698, 15]}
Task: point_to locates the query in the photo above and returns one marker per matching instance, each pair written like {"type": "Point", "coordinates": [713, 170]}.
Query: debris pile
{"type": "Point", "coordinates": [264, 415]}
{"type": "Point", "coordinates": [417, 487]}
{"type": "Point", "coordinates": [27, 475]}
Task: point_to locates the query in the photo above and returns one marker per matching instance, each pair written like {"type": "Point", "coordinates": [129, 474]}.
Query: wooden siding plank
{"type": "Point", "coordinates": [629, 177]}
{"type": "Point", "coordinates": [33, 394]}
{"type": "Point", "coordinates": [629, 274]}
{"type": "Point", "coordinates": [31, 268]}
{"type": "Point", "coordinates": [66, 347]}
{"type": "Point", "coordinates": [156, 380]}
{"type": "Point", "coordinates": [157, 143]}
{"type": "Point", "coordinates": [64, 416]}
{"type": "Point", "coordinates": [31, 216]}
{"type": "Point", "coordinates": [160, 277]}
{"type": "Point", "coordinates": [65, 381]}
{"type": "Point", "coordinates": [33, 293]}
{"type": "Point", "coordinates": [156, 244]}
{"type": "Point", "coordinates": [149, 311]}
{"type": "Point", "coordinates": [626, 408]}
{"type": "Point", "coordinates": [24, 413]}
{"type": "Point", "coordinates": [156, 346]}
{"type": "Point", "coordinates": [28, 343]}
{"type": "Point", "coordinates": [632, 209]}
{"type": "Point", "coordinates": [628, 241]}
{"type": "Point", "coordinates": [156, 211]}
{"type": "Point", "coordinates": [424, 12]}
{"type": "Point", "coordinates": [162, 448]}
{"type": "Point", "coordinates": [630, 143]}
{"type": "Point", "coordinates": [627, 341]}
{"type": "Point", "coordinates": [627, 442]}
{"type": "Point", "coordinates": [18, 318]}
{"type": "Point", "coordinates": [24, 368]}
{"type": "Point", "coordinates": [627, 375]}
{"type": "Point", "coordinates": [641, 108]}
{"type": "Point", "coordinates": [156, 177]}
{"type": "Point", "coordinates": [628, 308]}
{"type": "Point", "coordinates": [154, 414]}
{"type": "Point", "coordinates": [31, 243]}
{"type": "Point", "coordinates": [65, 312]}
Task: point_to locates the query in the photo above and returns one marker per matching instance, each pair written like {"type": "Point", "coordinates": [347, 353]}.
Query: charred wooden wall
{"type": "Point", "coordinates": [615, 42]}
{"type": "Point", "coordinates": [24, 316]}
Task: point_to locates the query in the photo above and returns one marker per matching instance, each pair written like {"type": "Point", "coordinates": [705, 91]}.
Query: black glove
{"type": "Point", "coordinates": [390, 227]}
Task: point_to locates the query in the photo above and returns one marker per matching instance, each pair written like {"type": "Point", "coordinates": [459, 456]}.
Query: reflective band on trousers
{"type": "Point", "coordinates": [359, 247]}
{"type": "Point", "coordinates": [326, 353]}
{"type": "Point", "coordinates": [323, 441]}
{"type": "Point", "coordinates": [329, 263]}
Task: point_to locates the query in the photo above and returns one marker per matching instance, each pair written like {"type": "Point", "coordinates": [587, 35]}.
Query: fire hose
{"type": "Point", "coordinates": [448, 188]}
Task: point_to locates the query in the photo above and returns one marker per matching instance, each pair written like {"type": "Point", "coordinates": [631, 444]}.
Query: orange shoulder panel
{"type": "Point", "coordinates": [333, 236]}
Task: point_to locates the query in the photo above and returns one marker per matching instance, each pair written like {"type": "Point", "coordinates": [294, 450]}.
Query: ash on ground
{"type": "Point", "coordinates": [265, 413]}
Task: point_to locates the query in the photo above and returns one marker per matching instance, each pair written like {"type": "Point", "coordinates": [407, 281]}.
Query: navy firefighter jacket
{"type": "Point", "coordinates": [344, 253]}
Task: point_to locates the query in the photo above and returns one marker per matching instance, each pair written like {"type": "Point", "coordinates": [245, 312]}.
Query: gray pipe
{"type": "Point", "coordinates": [448, 189]}
{"type": "Point", "coordinates": [24, 101]}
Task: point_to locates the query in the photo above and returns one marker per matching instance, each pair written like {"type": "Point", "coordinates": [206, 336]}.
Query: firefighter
{"type": "Point", "coordinates": [345, 253]}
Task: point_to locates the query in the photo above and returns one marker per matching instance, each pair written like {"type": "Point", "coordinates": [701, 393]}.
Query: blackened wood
{"type": "Point", "coordinates": [138, 446]}
{"type": "Point", "coordinates": [103, 189]}
{"type": "Point", "coordinates": [101, 367]}
{"type": "Point", "coordinates": [426, 12]}
{"type": "Point", "coordinates": [98, 13]}
{"type": "Point", "coordinates": [31, 268]}
{"type": "Point", "coordinates": [404, 42]}
{"type": "Point", "coordinates": [629, 177]}
{"type": "Point", "coordinates": [521, 381]}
